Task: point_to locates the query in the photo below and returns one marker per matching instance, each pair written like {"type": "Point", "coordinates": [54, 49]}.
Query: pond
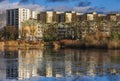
{"type": "Point", "coordinates": [62, 64]}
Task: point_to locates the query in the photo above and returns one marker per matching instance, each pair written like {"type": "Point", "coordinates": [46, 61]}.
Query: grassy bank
{"type": "Point", "coordinates": [22, 44]}
{"type": "Point", "coordinates": [103, 44]}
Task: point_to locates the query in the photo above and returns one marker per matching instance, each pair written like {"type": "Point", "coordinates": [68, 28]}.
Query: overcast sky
{"type": "Point", "coordinates": [63, 5]}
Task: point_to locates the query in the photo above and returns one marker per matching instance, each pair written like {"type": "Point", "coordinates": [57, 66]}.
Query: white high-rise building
{"type": "Point", "coordinates": [16, 16]}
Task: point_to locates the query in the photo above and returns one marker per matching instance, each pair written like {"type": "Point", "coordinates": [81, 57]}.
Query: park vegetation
{"type": "Point", "coordinates": [83, 34]}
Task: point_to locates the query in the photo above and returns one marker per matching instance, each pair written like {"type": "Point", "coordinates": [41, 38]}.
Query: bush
{"type": "Point", "coordinates": [115, 35]}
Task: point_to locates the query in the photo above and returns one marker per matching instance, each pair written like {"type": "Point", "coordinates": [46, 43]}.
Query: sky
{"type": "Point", "coordinates": [63, 5]}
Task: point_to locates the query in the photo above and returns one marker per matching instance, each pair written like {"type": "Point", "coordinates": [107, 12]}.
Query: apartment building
{"type": "Point", "coordinates": [62, 31]}
{"type": "Point", "coordinates": [101, 17]}
{"type": "Point", "coordinates": [113, 16]}
{"type": "Point", "coordinates": [16, 16]}
{"type": "Point", "coordinates": [91, 16]}
{"type": "Point", "coordinates": [42, 17]}
{"type": "Point", "coordinates": [50, 16]}
{"type": "Point", "coordinates": [74, 16]}
{"type": "Point", "coordinates": [47, 17]}
{"type": "Point", "coordinates": [79, 17]}
{"type": "Point", "coordinates": [70, 16]}
{"type": "Point", "coordinates": [60, 17]}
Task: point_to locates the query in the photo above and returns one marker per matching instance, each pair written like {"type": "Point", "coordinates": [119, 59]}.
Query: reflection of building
{"type": "Point", "coordinates": [20, 64]}
{"type": "Point", "coordinates": [54, 65]}
{"type": "Point", "coordinates": [68, 62]}
{"type": "Point", "coordinates": [28, 63]}
{"type": "Point", "coordinates": [24, 64]}
{"type": "Point", "coordinates": [49, 67]}
{"type": "Point", "coordinates": [11, 64]}
{"type": "Point", "coordinates": [2, 66]}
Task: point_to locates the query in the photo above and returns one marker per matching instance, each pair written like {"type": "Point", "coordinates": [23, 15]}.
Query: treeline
{"type": "Point", "coordinates": [97, 30]}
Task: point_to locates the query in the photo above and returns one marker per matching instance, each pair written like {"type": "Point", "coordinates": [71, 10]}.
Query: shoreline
{"type": "Point", "coordinates": [90, 45]}
{"type": "Point", "coordinates": [76, 44]}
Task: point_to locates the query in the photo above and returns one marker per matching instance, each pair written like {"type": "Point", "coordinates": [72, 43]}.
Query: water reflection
{"type": "Point", "coordinates": [22, 64]}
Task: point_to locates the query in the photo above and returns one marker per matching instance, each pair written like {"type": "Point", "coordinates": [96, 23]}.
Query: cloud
{"type": "Point", "coordinates": [89, 9]}
{"type": "Point", "coordinates": [82, 6]}
{"type": "Point", "coordinates": [82, 9]}
{"type": "Point", "coordinates": [1, 0]}
{"type": "Point", "coordinates": [60, 0]}
{"type": "Point", "coordinates": [57, 0]}
{"type": "Point", "coordinates": [27, 2]}
{"type": "Point", "coordinates": [34, 7]}
{"type": "Point", "coordinates": [97, 9]}
{"type": "Point", "coordinates": [7, 5]}
{"type": "Point", "coordinates": [33, 1]}
{"type": "Point", "coordinates": [23, 1]}
{"type": "Point", "coordinates": [62, 8]}
{"type": "Point", "coordinates": [84, 3]}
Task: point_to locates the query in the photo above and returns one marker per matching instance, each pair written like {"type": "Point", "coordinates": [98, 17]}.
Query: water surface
{"type": "Point", "coordinates": [84, 65]}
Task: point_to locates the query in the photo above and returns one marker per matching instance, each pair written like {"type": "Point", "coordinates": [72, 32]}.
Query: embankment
{"type": "Point", "coordinates": [93, 44]}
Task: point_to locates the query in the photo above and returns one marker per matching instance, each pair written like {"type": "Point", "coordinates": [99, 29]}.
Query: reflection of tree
{"type": "Point", "coordinates": [78, 62]}
{"type": "Point", "coordinates": [11, 64]}
{"type": "Point", "coordinates": [28, 62]}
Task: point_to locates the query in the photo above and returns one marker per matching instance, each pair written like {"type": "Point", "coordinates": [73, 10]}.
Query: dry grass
{"type": "Point", "coordinates": [1, 46]}
{"type": "Point", "coordinates": [11, 43]}
{"type": "Point", "coordinates": [87, 43]}
{"type": "Point", "coordinates": [72, 43]}
{"type": "Point", "coordinates": [114, 44]}
{"type": "Point", "coordinates": [23, 44]}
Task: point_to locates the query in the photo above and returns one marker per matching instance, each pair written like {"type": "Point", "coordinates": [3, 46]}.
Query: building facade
{"type": "Point", "coordinates": [42, 17]}
{"type": "Point", "coordinates": [15, 17]}
{"type": "Point", "coordinates": [113, 16]}
{"type": "Point", "coordinates": [60, 17]}
{"type": "Point", "coordinates": [47, 17]}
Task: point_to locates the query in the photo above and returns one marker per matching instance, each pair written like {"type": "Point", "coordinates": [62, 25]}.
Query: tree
{"type": "Point", "coordinates": [10, 32]}
{"type": "Point", "coordinates": [24, 31]}
{"type": "Point", "coordinates": [33, 29]}
{"type": "Point", "coordinates": [29, 29]}
{"type": "Point", "coordinates": [50, 32]}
